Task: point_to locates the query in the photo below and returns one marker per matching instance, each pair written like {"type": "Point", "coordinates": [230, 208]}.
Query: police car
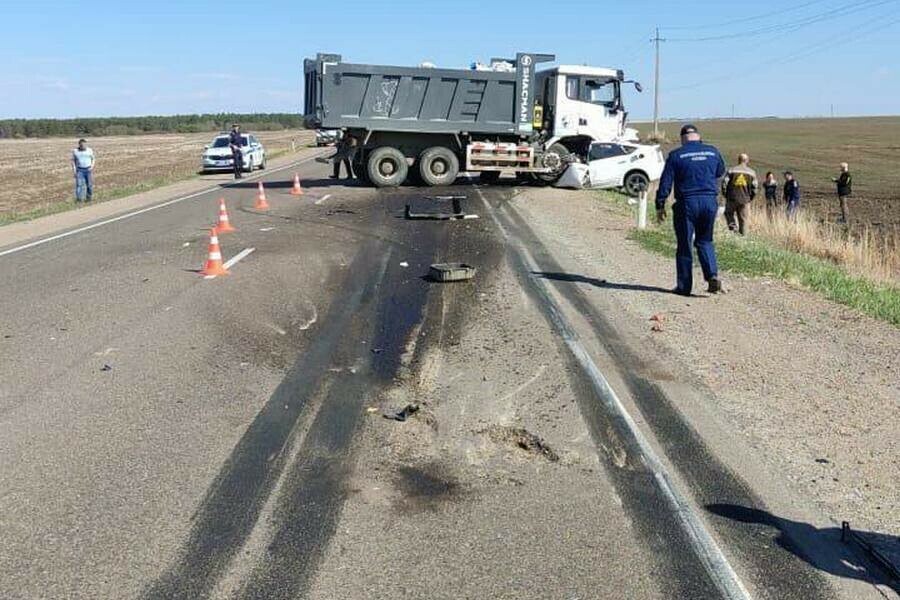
{"type": "Point", "coordinates": [217, 155]}
{"type": "Point", "coordinates": [624, 165]}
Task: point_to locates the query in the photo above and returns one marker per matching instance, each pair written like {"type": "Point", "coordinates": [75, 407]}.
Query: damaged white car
{"type": "Point", "coordinates": [612, 165]}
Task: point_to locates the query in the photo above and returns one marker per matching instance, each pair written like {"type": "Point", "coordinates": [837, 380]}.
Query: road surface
{"type": "Point", "coordinates": [168, 436]}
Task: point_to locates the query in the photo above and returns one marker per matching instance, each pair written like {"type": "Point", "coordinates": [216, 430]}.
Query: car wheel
{"type": "Point", "coordinates": [387, 167]}
{"type": "Point", "coordinates": [262, 165]}
{"type": "Point", "coordinates": [635, 183]}
{"type": "Point", "coordinates": [438, 166]}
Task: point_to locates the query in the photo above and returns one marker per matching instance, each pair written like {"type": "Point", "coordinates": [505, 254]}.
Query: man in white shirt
{"type": "Point", "coordinates": [83, 163]}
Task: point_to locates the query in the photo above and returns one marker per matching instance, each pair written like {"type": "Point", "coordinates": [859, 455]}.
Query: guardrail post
{"type": "Point", "coordinates": [642, 210]}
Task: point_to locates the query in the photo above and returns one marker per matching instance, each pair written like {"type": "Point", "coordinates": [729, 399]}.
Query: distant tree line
{"type": "Point", "coordinates": [97, 126]}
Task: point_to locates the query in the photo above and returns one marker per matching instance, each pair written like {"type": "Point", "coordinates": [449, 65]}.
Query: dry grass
{"type": "Point", "coordinates": [863, 252]}
{"type": "Point", "coordinates": [37, 176]}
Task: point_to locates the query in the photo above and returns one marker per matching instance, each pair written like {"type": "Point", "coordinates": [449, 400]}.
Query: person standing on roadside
{"type": "Point", "coordinates": [235, 141]}
{"type": "Point", "coordinates": [844, 190]}
{"type": "Point", "coordinates": [346, 152]}
{"type": "Point", "coordinates": [739, 188]}
{"type": "Point", "coordinates": [694, 171]}
{"type": "Point", "coordinates": [83, 162]}
{"type": "Point", "coordinates": [791, 194]}
{"type": "Point", "coordinates": [770, 186]}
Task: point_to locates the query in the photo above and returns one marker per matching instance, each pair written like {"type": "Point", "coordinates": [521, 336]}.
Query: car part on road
{"type": "Point", "coordinates": [387, 167]}
{"type": "Point", "coordinates": [402, 415]}
{"type": "Point", "coordinates": [457, 211]}
{"type": "Point", "coordinates": [446, 272]}
{"type": "Point", "coordinates": [438, 166]}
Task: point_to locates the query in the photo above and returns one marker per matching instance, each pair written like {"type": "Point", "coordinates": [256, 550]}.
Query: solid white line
{"type": "Point", "coordinates": [141, 211]}
{"type": "Point", "coordinates": [233, 260]}
{"type": "Point", "coordinates": [323, 199]}
{"type": "Point", "coordinates": [705, 547]}
{"type": "Point", "coordinates": [238, 257]}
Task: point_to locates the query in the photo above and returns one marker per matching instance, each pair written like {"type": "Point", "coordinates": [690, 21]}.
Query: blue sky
{"type": "Point", "coordinates": [65, 59]}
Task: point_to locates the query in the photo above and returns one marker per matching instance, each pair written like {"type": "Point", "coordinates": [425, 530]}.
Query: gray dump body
{"type": "Point", "coordinates": [422, 100]}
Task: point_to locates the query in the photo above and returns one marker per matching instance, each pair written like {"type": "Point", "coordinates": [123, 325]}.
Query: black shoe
{"type": "Point", "coordinates": [681, 292]}
{"type": "Point", "coordinates": [715, 286]}
{"type": "Point", "coordinates": [333, 177]}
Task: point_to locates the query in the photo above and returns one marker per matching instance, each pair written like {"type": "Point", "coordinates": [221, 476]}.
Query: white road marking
{"type": "Point", "coordinates": [234, 260]}
{"type": "Point", "coordinates": [266, 228]}
{"type": "Point", "coordinates": [141, 211]}
{"type": "Point", "coordinates": [704, 545]}
{"type": "Point", "coordinates": [322, 199]}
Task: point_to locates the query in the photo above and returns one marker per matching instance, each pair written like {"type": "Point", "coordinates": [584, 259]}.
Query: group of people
{"type": "Point", "coordinates": [740, 187]}
{"type": "Point", "coordinates": [694, 171]}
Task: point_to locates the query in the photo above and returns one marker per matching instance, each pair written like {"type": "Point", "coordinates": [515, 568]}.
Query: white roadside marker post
{"type": "Point", "coordinates": [642, 210]}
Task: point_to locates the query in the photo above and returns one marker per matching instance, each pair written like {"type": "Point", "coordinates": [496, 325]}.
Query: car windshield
{"type": "Point", "coordinates": [222, 142]}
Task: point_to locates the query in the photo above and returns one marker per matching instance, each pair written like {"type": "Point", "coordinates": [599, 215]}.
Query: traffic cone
{"type": "Point", "coordinates": [214, 266]}
{"type": "Point", "coordinates": [296, 190]}
{"type": "Point", "coordinates": [224, 225]}
{"type": "Point", "coordinates": [261, 203]}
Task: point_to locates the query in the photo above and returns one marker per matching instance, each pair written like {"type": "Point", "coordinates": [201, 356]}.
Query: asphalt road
{"type": "Point", "coordinates": [167, 436]}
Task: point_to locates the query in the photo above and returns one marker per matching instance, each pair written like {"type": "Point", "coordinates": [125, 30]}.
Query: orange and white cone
{"type": "Point", "coordinates": [261, 203]}
{"type": "Point", "coordinates": [296, 190]}
{"type": "Point", "coordinates": [223, 225]}
{"type": "Point", "coordinates": [214, 265]}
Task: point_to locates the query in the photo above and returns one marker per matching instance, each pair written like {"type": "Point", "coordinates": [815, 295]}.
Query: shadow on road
{"type": "Point", "coordinates": [600, 283]}
{"type": "Point", "coordinates": [840, 564]}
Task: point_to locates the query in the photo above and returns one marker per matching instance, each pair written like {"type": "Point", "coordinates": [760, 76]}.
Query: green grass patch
{"type": "Point", "coordinates": [757, 258]}
{"type": "Point", "coordinates": [100, 195]}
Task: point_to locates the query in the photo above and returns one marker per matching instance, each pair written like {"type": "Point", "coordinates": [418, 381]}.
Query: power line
{"type": "Point", "coordinates": [767, 15]}
{"type": "Point", "coordinates": [833, 13]}
{"type": "Point", "coordinates": [809, 50]}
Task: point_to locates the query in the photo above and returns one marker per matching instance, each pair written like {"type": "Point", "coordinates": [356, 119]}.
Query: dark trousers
{"type": "Point", "coordinates": [793, 207]}
{"type": "Point", "coordinates": [845, 208]}
{"type": "Point", "coordinates": [736, 215]}
{"type": "Point", "coordinates": [338, 161]}
{"type": "Point", "coordinates": [238, 159]}
{"type": "Point", "coordinates": [771, 207]}
{"type": "Point", "coordinates": [694, 220]}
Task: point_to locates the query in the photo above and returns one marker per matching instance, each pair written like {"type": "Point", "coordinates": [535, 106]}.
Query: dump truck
{"type": "Point", "coordinates": [431, 123]}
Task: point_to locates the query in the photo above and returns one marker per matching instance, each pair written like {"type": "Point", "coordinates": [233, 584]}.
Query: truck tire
{"type": "Point", "coordinates": [386, 167]}
{"type": "Point", "coordinates": [438, 166]}
{"type": "Point", "coordinates": [636, 182]}
{"type": "Point", "coordinates": [489, 177]}
{"type": "Point", "coordinates": [556, 156]}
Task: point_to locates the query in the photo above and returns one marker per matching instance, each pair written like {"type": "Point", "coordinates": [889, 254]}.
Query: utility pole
{"type": "Point", "coordinates": [832, 111]}
{"type": "Point", "coordinates": [732, 110]}
{"type": "Point", "coordinates": [656, 40]}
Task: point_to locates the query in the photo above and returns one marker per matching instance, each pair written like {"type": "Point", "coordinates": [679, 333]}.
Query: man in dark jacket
{"type": "Point", "coordinates": [791, 194]}
{"type": "Point", "coordinates": [844, 190]}
{"type": "Point", "coordinates": [346, 153]}
{"type": "Point", "coordinates": [235, 140]}
{"type": "Point", "coordinates": [693, 170]}
{"type": "Point", "coordinates": [739, 188]}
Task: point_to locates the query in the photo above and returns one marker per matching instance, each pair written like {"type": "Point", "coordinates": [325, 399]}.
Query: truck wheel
{"type": "Point", "coordinates": [489, 177]}
{"type": "Point", "coordinates": [635, 183]}
{"type": "Point", "coordinates": [438, 166]}
{"type": "Point", "coordinates": [556, 158]}
{"type": "Point", "coordinates": [387, 167]}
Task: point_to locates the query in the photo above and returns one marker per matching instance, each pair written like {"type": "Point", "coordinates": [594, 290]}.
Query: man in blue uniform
{"type": "Point", "coordinates": [236, 141]}
{"type": "Point", "coordinates": [694, 171]}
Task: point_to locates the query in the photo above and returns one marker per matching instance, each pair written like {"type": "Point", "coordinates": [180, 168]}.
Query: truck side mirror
{"type": "Point", "coordinates": [638, 87]}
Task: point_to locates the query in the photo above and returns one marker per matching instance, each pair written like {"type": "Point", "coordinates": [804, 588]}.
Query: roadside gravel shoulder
{"type": "Point", "coordinates": [808, 385]}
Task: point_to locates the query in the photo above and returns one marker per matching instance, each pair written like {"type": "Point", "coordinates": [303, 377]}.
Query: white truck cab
{"type": "Point", "coordinates": [583, 102]}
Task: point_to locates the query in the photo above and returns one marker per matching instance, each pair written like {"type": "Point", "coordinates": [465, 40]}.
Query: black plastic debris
{"type": "Point", "coordinates": [106, 368]}
{"type": "Point", "coordinates": [402, 415]}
